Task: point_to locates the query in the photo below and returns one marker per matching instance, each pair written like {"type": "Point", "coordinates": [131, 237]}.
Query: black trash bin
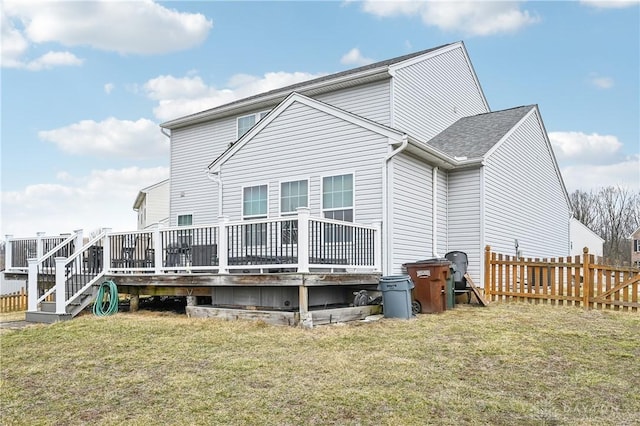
{"type": "Point", "coordinates": [396, 296]}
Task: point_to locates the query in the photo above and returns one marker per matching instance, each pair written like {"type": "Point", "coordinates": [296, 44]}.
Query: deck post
{"type": "Point", "coordinates": [60, 292]}
{"type": "Point", "coordinates": [79, 240]}
{"type": "Point", "coordinates": [377, 246]}
{"type": "Point", "coordinates": [304, 213]}
{"type": "Point", "coordinates": [303, 300]}
{"type": "Point", "coordinates": [223, 245]}
{"type": "Point", "coordinates": [39, 244]}
{"type": "Point", "coordinates": [106, 250]}
{"type": "Point", "coordinates": [32, 285]}
{"type": "Point", "coordinates": [8, 248]}
{"type": "Point", "coordinates": [157, 250]}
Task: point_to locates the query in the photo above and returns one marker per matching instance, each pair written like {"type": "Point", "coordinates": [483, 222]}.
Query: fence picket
{"type": "Point", "coordinates": [572, 281]}
{"type": "Point", "coordinates": [13, 302]}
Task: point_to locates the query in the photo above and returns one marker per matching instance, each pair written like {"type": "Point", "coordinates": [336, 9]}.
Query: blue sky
{"type": "Point", "coordinates": [85, 84]}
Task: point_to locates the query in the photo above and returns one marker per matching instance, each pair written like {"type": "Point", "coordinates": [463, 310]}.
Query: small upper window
{"type": "Point", "coordinates": [185, 220]}
{"type": "Point", "coordinates": [246, 122]}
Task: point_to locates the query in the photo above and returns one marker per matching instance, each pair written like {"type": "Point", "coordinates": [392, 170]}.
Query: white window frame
{"type": "Point", "coordinates": [353, 203]}
{"type": "Point", "coordinates": [257, 116]}
{"type": "Point", "coordinates": [184, 214]}
{"type": "Point", "coordinates": [250, 217]}
{"type": "Point", "coordinates": [292, 213]}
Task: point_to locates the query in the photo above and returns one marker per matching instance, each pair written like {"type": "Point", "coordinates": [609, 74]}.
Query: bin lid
{"type": "Point", "coordinates": [434, 261]}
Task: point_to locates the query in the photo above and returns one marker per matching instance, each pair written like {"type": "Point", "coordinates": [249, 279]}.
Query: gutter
{"type": "Point", "coordinates": [386, 264]}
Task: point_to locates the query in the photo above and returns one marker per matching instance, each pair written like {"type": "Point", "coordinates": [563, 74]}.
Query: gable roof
{"type": "Point", "coordinates": [366, 73]}
{"type": "Point", "coordinates": [475, 136]}
{"type": "Point", "coordinates": [392, 134]}
{"type": "Point", "coordinates": [144, 191]}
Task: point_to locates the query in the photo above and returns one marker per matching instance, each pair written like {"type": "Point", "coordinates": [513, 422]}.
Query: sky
{"type": "Point", "coordinates": [85, 84]}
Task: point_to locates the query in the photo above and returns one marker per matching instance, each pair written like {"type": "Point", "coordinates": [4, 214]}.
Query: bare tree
{"type": "Point", "coordinates": [613, 213]}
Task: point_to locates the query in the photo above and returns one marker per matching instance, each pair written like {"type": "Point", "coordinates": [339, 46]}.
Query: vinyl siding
{"type": "Point", "coordinates": [157, 204]}
{"type": "Point", "coordinates": [442, 213]}
{"type": "Point", "coordinates": [432, 94]}
{"type": "Point", "coordinates": [524, 198]}
{"type": "Point", "coordinates": [369, 100]}
{"type": "Point", "coordinates": [192, 150]}
{"type": "Point", "coordinates": [411, 211]}
{"type": "Point", "coordinates": [464, 218]}
{"type": "Point", "coordinates": [304, 143]}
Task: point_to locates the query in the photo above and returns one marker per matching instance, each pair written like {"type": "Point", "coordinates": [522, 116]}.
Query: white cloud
{"type": "Point", "coordinates": [53, 59]}
{"type": "Point", "coordinates": [610, 4]}
{"type": "Point", "coordinates": [585, 148]}
{"type": "Point", "coordinates": [601, 82]}
{"type": "Point", "coordinates": [139, 27]}
{"type": "Point", "coordinates": [108, 88]}
{"type": "Point", "coordinates": [110, 138]}
{"type": "Point", "coordinates": [593, 161]}
{"type": "Point", "coordinates": [104, 198]}
{"type": "Point", "coordinates": [587, 176]}
{"type": "Point", "coordinates": [468, 17]}
{"type": "Point", "coordinates": [354, 57]}
{"type": "Point", "coordinates": [187, 95]}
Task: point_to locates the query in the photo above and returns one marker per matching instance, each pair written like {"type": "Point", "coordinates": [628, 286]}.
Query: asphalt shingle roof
{"type": "Point", "coordinates": [473, 136]}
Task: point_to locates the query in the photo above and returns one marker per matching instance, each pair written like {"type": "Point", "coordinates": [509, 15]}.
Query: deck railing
{"type": "Point", "coordinates": [18, 251]}
{"type": "Point", "coordinates": [296, 243]}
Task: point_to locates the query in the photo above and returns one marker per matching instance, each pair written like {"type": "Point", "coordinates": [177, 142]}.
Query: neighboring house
{"type": "Point", "coordinates": [635, 248]}
{"type": "Point", "coordinates": [152, 205]}
{"type": "Point", "coordinates": [408, 142]}
{"type": "Point", "coordinates": [581, 237]}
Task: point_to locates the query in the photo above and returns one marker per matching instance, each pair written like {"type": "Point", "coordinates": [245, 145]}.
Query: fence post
{"type": "Point", "coordinates": [8, 248]}
{"type": "Point", "coordinates": [157, 250]}
{"type": "Point", "coordinates": [39, 244]}
{"type": "Point", "coordinates": [377, 246]}
{"type": "Point", "coordinates": [32, 285]}
{"type": "Point", "coordinates": [586, 278]}
{"type": "Point", "coordinates": [487, 272]}
{"type": "Point", "coordinates": [60, 291]}
{"type": "Point", "coordinates": [79, 241]}
{"type": "Point", "coordinates": [304, 213]}
{"type": "Point", "coordinates": [106, 250]}
{"type": "Point", "coordinates": [223, 245]}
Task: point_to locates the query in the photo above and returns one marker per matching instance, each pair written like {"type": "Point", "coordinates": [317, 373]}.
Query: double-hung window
{"type": "Point", "coordinates": [292, 195]}
{"type": "Point", "coordinates": [254, 206]}
{"type": "Point", "coordinates": [246, 122]}
{"type": "Point", "coordinates": [337, 203]}
{"type": "Point", "coordinates": [184, 237]}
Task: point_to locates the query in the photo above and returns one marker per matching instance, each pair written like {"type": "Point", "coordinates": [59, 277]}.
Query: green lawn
{"type": "Point", "coordinates": [501, 365]}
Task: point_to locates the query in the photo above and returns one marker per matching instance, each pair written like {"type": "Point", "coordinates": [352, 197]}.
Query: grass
{"type": "Point", "coordinates": [502, 365]}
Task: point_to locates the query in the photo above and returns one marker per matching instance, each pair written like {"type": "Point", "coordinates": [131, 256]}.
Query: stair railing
{"type": "Point", "coordinates": [44, 266]}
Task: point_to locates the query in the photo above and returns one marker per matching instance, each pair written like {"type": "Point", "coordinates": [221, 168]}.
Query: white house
{"type": "Point", "coordinates": [409, 143]}
{"type": "Point", "coordinates": [152, 204]}
{"type": "Point", "coordinates": [581, 237]}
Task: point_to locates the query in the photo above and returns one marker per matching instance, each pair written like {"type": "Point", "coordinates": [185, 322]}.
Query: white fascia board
{"type": "Point", "coordinates": [392, 134]}
{"type": "Point", "coordinates": [439, 158]}
{"type": "Point", "coordinates": [458, 45]}
{"type": "Point", "coordinates": [212, 114]}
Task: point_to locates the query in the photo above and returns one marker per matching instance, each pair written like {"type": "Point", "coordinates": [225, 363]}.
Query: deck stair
{"type": "Point", "coordinates": [66, 280]}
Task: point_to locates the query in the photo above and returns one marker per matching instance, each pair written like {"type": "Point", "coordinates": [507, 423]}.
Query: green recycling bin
{"type": "Point", "coordinates": [396, 296]}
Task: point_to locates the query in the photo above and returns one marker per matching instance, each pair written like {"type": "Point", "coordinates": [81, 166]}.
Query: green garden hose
{"type": "Point", "coordinates": [106, 303]}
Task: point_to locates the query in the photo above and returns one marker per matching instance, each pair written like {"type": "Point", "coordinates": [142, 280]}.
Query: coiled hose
{"type": "Point", "coordinates": [107, 299]}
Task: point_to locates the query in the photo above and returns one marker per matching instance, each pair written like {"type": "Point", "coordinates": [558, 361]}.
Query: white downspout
{"type": "Point", "coordinates": [215, 177]}
{"type": "Point", "coordinates": [434, 204]}
{"type": "Point", "coordinates": [386, 264]}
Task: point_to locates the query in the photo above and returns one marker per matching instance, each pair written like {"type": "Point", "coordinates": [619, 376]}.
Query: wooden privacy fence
{"type": "Point", "coordinates": [573, 281]}
{"type": "Point", "coordinates": [14, 302]}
